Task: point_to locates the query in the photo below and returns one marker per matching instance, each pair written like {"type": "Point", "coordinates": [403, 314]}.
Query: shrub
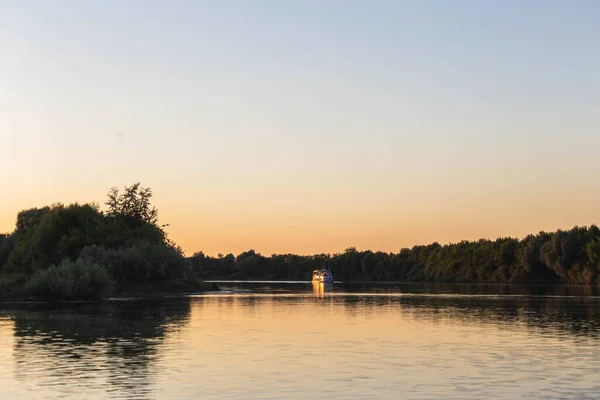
{"type": "Point", "coordinates": [79, 280]}
{"type": "Point", "coordinates": [11, 284]}
{"type": "Point", "coordinates": [144, 262]}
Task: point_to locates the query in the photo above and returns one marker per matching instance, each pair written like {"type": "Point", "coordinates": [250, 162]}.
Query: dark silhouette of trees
{"type": "Point", "coordinates": [561, 257]}
{"type": "Point", "coordinates": [80, 251]}
{"type": "Point", "coordinates": [133, 204]}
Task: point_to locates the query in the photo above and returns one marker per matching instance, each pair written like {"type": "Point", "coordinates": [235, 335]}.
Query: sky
{"type": "Point", "coordinates": [309, 126]}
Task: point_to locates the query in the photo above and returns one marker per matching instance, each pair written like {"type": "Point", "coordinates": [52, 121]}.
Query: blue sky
{"type": "Point", "coordinates": [332, 123]}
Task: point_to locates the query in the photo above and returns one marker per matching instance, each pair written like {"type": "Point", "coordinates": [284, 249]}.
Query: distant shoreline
{"type": "Point", "coordinates": [569, 257]}
{"type": "Point", "coordinates": [404, 283]}
{"type": "Point", "coordinates": [80, 252]}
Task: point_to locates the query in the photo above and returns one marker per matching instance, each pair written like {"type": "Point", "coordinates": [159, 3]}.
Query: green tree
{"type": "Point", "coordinates": [133, 202]}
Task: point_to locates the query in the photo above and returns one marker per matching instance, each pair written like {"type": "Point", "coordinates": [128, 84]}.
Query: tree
{"type": "Point", "coordinates": [7, 244]}
{"type": "Point", "coordinates": [133, 203]}
{"type": "Point", "coordinates": [28, 219]}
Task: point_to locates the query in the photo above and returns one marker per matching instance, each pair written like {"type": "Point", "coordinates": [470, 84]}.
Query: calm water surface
{"type": "Point", "coordinates": [296, 341]}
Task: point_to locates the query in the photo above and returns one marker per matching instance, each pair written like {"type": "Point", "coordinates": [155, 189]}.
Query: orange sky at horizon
{"type": "Point", "coordinates": [306, 227]}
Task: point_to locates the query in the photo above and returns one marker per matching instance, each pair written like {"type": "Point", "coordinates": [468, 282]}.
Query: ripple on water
{"type": "Point", "coordinates": [300, 345]}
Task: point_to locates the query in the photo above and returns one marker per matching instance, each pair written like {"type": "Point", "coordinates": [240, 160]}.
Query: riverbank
{"type": "Point", "coordinates": [15, 287]}
{"type": "Point", "coordinates": [560, 257]}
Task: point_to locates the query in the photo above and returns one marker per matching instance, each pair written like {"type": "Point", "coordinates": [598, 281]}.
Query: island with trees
{"type": "Point", "coordinates": [80, 252]}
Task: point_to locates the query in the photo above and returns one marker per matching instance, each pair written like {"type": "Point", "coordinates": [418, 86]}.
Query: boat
{"type": "Point", "coordinates": [322, 275]}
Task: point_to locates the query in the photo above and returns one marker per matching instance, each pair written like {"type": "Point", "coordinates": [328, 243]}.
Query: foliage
{"type": "Point", "coordinates": [28, 219]}
{"type": "Point", "coordinates": [144, 262]}
{"type": "Point", "coordinates": [60, 232]}
{"type": "Point", "coordinates": [7, 245]}
{"type": "Point", "coordinates": [11, 284]}
{"type": "Point", "coordinates": [72, 251]}
{"type": "Point", "coordinates": [55, 243]}
{"type": "Point", "coordinates": [70, 281]}
{"type": "Point", "coordinates": [562, 257]}
{"type": "Point", "coordinates": [133, 203]}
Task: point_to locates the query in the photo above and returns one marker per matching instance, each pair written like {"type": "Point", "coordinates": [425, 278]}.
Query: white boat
{"type": "Point", "coordinates": [322, 275]}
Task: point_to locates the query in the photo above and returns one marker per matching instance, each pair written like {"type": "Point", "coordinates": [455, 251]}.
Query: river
{"type": "Point", "coordinates": [299, 341]}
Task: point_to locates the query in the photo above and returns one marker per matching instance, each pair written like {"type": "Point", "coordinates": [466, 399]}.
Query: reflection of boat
{"type": "Point", "coordinates": [320, 288]}
{"type": "Point", "coordinates": [322, 275]}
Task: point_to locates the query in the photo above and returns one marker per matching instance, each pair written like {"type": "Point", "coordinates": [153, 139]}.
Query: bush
{"type": "Point", "coordinates": [79, 280]}
{"type": "Point", "coordinates": [141, 263]}
{"type": "Point", "coordinates": [11, 284]}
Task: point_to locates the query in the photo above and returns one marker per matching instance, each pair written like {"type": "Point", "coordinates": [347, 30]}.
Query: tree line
{"type": "Point", "coordinates": [80, 251]}
{"type": "Point", "coordinates": [561, 257]}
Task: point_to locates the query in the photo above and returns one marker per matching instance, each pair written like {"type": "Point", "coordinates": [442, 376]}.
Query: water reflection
{"type": "Point", "coordinates": [572, 309]}
{"type": "Point", "coordinates": [98, 348]}
{"type": "Point", "coordinates": [386, 345]}
{"type": "Point", "coordinates": [284, 341]}
{"type": "Point", "coordinates": [320, 288]}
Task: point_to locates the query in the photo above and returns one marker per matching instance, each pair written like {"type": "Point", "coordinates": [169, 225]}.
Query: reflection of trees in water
{"type": "Point", "coordinates": [479, 289]}
{"type": "Point", "coordinates": [549, 315]}
{"type": "Point", "coordinates": [75, 345]}
{"type": "Point", "coordinates": [551, 309]}
{"type": "Point", "coordinates": [542, 308]}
